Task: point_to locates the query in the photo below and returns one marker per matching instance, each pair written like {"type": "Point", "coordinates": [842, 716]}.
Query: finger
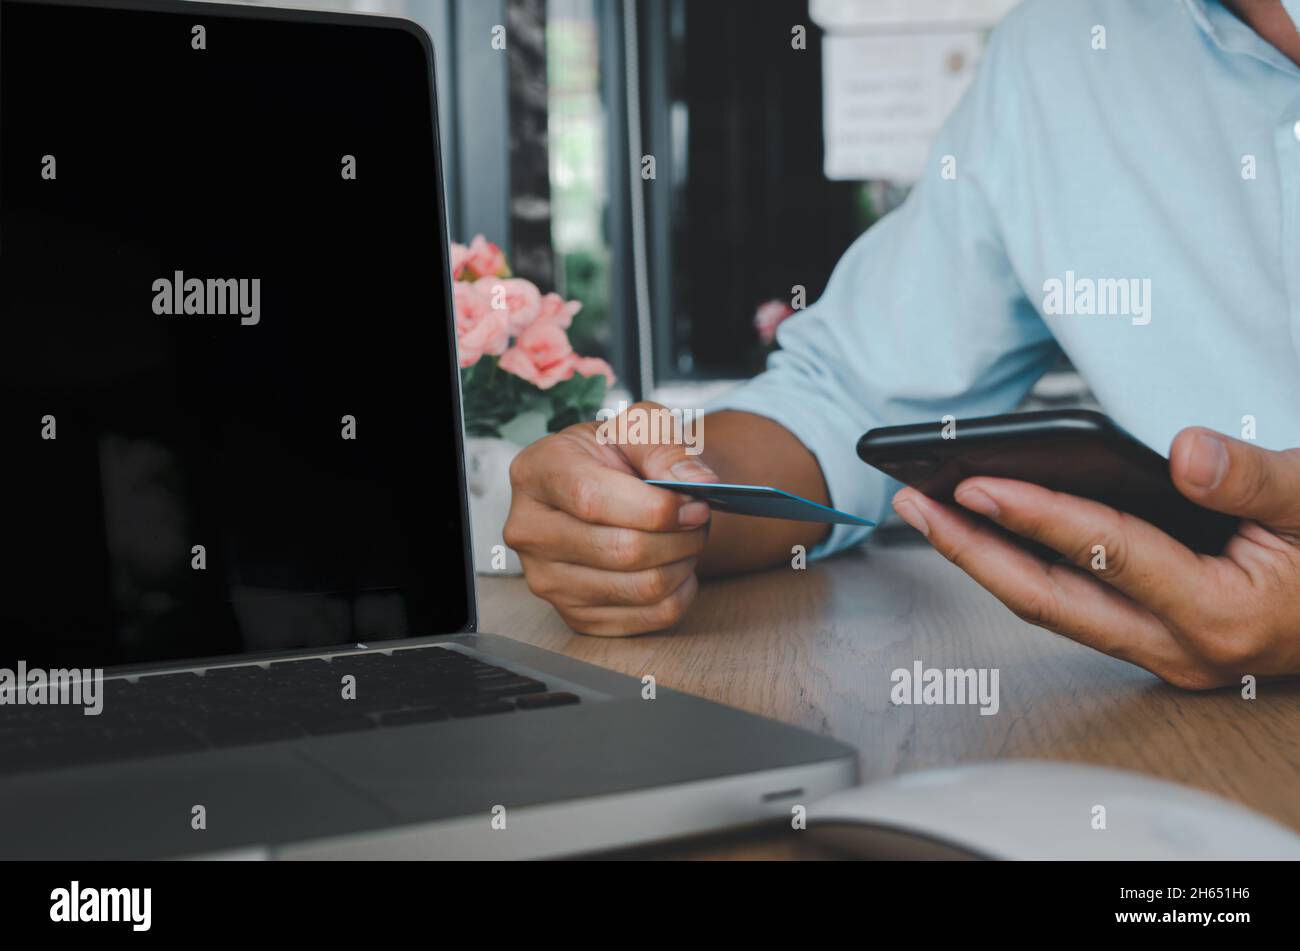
{"type": "Point", "coordinates": [573, 586]}
{"type": "Point", "coordinates": [1232, 476]}
{"type": "Point", "coordinates": [592, 492]}
{"type": "Point", "coordinates": [557, 536]}
{"type": "Point", "coordinates": [1127, 553]}
{"type": "Point", "coordinates": [1061, 598]}
{"type": "Point", "coordinates": [657, 442]}
{"type": "Point", "coordinates": [624, 621]}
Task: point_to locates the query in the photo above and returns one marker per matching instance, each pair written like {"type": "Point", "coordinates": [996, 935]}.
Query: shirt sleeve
{"type": "Point", "coordinates": [923, 316]}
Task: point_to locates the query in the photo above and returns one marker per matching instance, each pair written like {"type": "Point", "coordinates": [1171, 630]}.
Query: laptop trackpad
{"type": "Point", "coordinates": [249, 798]}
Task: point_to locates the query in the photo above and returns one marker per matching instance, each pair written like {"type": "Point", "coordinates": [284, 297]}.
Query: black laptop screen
{"type": "Point", "coordinates": [227, 404]}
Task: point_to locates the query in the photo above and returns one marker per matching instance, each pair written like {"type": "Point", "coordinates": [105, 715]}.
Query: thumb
{"type": "Point", "coordinates": [1237, 478]}
{"type": "Point", "coordinates": [659, 443]}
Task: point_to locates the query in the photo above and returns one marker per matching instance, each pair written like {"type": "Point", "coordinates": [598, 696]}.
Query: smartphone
{"type": "Point", "coordinates": [1078, 452]}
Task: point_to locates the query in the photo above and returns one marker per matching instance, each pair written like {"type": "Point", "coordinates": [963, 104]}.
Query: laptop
{"type": "Point", "coordinates": [238, 608]}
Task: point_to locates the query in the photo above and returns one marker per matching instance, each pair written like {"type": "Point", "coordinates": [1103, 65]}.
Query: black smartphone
{"type": "Point", "coordinates": [1078, 452]}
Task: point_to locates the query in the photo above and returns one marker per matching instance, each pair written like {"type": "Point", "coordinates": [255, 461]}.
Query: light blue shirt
{"type": "Point", "coordinates": [1169, 160]}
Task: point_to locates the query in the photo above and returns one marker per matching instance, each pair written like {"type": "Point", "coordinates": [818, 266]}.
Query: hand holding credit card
{"type": "Point", "coordinates": [760, 500]}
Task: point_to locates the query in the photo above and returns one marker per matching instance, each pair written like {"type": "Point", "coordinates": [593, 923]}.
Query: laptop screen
{"type": "Point", "coordinates": [228, 399]}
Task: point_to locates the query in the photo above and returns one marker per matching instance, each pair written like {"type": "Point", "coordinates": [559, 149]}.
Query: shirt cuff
{"type": "Point", "coordinates": [831, 435]}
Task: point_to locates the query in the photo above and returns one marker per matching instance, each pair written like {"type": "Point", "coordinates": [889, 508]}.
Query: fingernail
{"type": "Point", "coordinates": [688, 470]}
{"type": "Point", "coordinates": [910, 514]}
{"type": "Point", "coordinates": [977, 500]}
{"type": "Point", "coordinates": [1207, 462]}
{"type": "Point", "coordinates": [692, 514]}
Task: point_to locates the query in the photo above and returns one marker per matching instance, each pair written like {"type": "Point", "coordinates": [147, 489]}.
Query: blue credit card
{"type": "Point", "coordinates": [760, 500]}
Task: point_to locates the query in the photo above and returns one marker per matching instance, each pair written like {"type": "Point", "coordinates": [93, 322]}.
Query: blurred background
{"type": "Point", "coordinates": [675, 164]}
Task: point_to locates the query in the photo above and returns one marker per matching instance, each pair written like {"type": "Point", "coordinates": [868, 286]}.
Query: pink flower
{"type": "Point", "coordinates": [555, 309]}
{"type": "Point", "coordinates": [594, 366]}
{"type": "Point", "coordinates": [479, 329]}
{"type": "Point", "coordinates": [542, 355]}
{"type": "Point", "coordinates": [516, 361]}
{"type": "Point", "coordinates": [485, 259]}
{"type": "Point", "coordinates": [519, 300]}
{"type": "Point", "coordinates": [459, 260]}
{"type": "Point", "coordinates": [771, 315]}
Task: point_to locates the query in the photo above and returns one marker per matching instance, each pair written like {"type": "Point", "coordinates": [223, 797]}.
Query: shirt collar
{"type": "Point", "coordinates": [1233, 36]}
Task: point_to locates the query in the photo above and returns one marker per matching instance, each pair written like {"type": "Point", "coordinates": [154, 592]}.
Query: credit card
{"type": "Point", "coordinates": [760, 500]}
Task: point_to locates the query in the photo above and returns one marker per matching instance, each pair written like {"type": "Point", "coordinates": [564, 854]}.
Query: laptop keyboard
{"type": "Point", "coordinates": [239, 706]}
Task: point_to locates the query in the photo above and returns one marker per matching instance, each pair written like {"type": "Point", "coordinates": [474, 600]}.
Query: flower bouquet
{"type": "Point", "coordinates": [520, 379]}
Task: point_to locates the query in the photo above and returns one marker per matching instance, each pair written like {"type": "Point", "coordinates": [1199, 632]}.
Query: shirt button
{"type": "Point", "coordinates": [1295, 130]}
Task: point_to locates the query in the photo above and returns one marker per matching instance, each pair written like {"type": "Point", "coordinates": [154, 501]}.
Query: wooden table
{"type": "Point", "coordinates": [817, 647]}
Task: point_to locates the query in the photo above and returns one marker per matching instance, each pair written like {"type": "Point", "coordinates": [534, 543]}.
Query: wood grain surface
{"type": "Point", "coordinates": [817, 647]}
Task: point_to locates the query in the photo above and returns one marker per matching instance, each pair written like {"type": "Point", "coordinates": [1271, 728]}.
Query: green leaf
{"type": "Point", "coordinates": [563, 419]}
{"type": "Point", "coordinates": [498, 403]}
{"type": "Point", "coordinates": [487, 432]}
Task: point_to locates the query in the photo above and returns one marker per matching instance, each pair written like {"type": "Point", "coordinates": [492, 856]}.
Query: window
{"type": "Point", "coordinates": [578, 142]}
{"type": "Point", "coordinates": [745, 212]}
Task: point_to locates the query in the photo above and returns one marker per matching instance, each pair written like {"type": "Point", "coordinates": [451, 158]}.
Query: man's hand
{"type": "Point", "coordinates": [1194, 620]}
{"type": "Point", "coordinates": [616, 556]}
{"type": "Point", "coordinates": [612, 554]}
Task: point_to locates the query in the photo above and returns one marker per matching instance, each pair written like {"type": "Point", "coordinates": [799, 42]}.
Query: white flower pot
{"type": "Point", "coordinates": [487, 467]}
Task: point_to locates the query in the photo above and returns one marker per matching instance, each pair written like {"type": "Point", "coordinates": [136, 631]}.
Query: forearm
{"type": "Point", "coordinates": [749, 449]}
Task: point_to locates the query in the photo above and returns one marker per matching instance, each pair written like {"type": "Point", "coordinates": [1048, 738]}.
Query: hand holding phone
{"type": "Point", "coordinates": [1078, 452]}
{"type": "Point", "coordinates": [1122, 585]}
